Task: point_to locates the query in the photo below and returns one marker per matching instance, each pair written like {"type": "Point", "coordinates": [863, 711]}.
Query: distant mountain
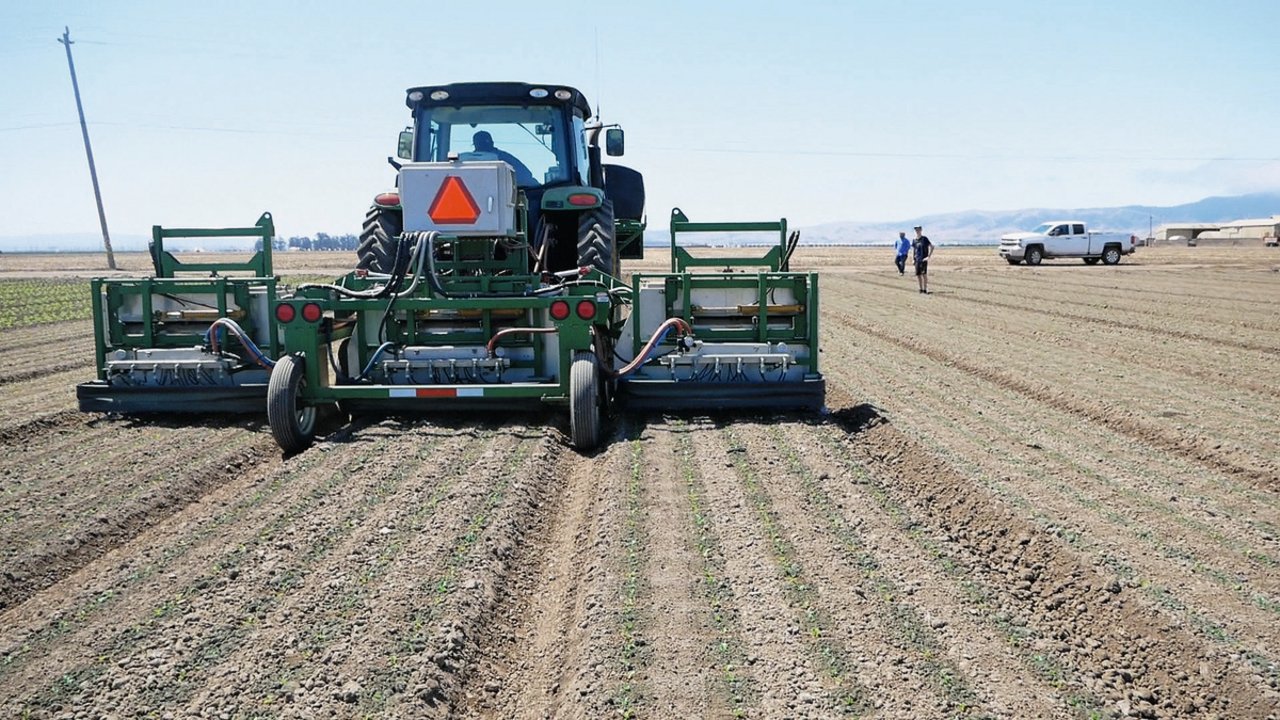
{"type": "Point", "coordinates": [75, 242]}
{"type": "Point", "coordinates": [967, 227]}
{"type": "Point", "coordinates": [986, 226]}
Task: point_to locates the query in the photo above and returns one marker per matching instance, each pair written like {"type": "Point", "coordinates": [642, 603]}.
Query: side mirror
{"type": "Point", "coordinates": [613, 141]}
{"type": "Point", "coordinates": [405, 149]}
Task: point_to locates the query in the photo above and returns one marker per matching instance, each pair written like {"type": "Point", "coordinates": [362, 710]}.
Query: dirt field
{"type": "Point", "coordinates": [1038, 493]}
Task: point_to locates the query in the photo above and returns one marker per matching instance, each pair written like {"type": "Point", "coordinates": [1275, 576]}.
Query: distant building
{"type": "Point", "coordinates": [1249, 231]}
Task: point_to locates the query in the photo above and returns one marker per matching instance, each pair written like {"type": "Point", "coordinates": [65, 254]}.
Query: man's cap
{"type": "Point", "coordinates": [919, 227]}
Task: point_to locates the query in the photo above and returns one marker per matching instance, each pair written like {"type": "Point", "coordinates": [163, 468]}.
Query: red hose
{"type": "Point", "coordinates": [493, 341]}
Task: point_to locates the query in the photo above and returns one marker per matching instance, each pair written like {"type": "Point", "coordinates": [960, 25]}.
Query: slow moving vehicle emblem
{"type": "Point", "coordinates": [453, 204]}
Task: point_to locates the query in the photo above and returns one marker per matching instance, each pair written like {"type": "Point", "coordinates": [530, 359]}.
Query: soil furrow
{"type": "Point", "coordinates": [1212, 583]}
{"type": "Point", "coordinates": [503, 539]}
{"type": "Point", "coordinates": [797, 668]}
{"type": "Point", "coordinates": [1117, 420]}
{"type": "Point", "coordinates": [1100, 320]}
{"type": "Point", "coordinates": [363, 588]}
{"type": "Point", "coordinates": [1223, 514]}
{"type": "Point", "coordinates": [42, 561]}
{"type": "Point", "coordinates": [1125, 650]}
{"type": "Point", "coordinates": [540, 656]}
{"type": "Point", "coordinates": [932, 615]}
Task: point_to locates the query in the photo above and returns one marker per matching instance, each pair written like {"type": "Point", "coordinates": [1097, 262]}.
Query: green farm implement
{"type": "Point", "coordinates": [488, 278]}
{"type": "Point", "coordinates": [169, 342]}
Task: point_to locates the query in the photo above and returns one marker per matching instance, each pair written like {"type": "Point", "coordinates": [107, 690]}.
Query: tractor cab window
{"type": "Point", "coordinates": [584, 165]}
{"type": "Point", "coordinates": [532, 140]}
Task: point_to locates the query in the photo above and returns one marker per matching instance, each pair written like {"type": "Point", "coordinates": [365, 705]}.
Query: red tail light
{"type": "Point", "coordinates": [559, 310]}
{"type": "Point", "coordinates": [311, 312]}
{"type": "Point", "coordinates": [387, 199]}
{"type": "Point", "coordinates": [285, 313]}
{"type": "Point", "coordinates": [586, 309]}
{"type": "Point", "coordinates": [583, 199]}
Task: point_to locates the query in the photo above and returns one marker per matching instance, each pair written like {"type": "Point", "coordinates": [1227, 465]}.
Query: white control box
{"type": "Point", "coordinates": [472, 198]}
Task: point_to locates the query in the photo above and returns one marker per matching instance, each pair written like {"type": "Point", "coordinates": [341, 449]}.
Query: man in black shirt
{"type": "Point", "coordinates": [923, 251]}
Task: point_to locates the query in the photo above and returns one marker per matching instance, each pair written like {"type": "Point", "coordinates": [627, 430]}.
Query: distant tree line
{"type": "Point", "coordinates": [322, 241]}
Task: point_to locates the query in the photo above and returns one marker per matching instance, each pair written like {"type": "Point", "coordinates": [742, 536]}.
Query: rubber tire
{"type": "Point", "coordinates": [1013, 261]}
{"type": "Point", "coordinates": [597, 241]}
{"type": "Point", "coordinates": [584, 401]}
{"type": "Point", "coordinates": [1091, 261]}
{"type": "Point", "coordinates": [1034, 255]}
{"type": "Point", "coordinates": [293, 428]}
{"type": "Point", "coordinates": [1111, 255]}
{"type": "Point", "coordinates": [379, 237]}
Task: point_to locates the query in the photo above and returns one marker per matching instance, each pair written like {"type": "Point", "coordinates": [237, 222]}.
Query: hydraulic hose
{"type": "Point", "coordinates": [429, 238]}
{"type": "Point", "coordinates": [656, 339]}
{"type": "Point", "coordinates": [491, 346]}
{"type": "Point", "coordinates": [211, 337]}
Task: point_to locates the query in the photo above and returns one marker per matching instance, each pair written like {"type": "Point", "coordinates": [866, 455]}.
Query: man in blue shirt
{"type": "Point", "coordinates": [904, 247]}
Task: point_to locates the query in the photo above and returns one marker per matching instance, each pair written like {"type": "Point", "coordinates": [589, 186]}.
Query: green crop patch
{"type": "Point", "coordinates": [40, 302]}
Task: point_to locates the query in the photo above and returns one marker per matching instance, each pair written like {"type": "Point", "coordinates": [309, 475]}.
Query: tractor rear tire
{"type": "Point", "coordinates": [379, 238]}
{"type": "Point", "coordinates": [584, 401]}
{"type": "Point", "coordinates": [597, 242]}
{"type": "Point", "coordinates": [292, 425]}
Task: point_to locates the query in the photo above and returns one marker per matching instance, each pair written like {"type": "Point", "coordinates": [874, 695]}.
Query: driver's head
{"type": "Point", "coordinates": [482, 141]}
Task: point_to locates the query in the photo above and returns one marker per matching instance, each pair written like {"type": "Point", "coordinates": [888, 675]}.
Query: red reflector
{"type": "Point", "coordinates": [388, 199]}
{"type": "Point", "coordinates": [285, 313]}
{"type": "Point", "coordinates": [559, 310]}
{"type": "Point", "coordinates": [583, 199]}
{"type": "Point", "coordinates": [311, 312]}
{"type": "Point", "coordinates": [586, 309]}
{"type": "Point", "coordinates": [453, 204]}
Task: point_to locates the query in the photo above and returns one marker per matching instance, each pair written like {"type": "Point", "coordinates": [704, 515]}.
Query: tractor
{"type": "Point", "coordinates": [490, 277]}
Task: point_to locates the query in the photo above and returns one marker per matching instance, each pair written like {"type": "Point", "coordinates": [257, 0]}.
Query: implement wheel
{"type": "Point", "coordinates": [378, 240]}
{"type": "Point", "coordinates": [584, 401]}
{"type": "Point", "coordinates": [597, 243]}
{"type": "Point", "coordinates": [292, 425]}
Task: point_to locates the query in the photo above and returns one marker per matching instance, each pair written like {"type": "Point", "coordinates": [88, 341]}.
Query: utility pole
{"type": "Point", "coordinates": [84, 130]}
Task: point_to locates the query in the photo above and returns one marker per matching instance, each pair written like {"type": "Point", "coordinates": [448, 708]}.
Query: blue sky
{"type": "Point", "coordinates": [210, 113]}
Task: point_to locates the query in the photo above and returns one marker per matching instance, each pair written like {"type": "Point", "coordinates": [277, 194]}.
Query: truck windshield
{"type": "Point", "coordinates": [533, 139]}
{"type": "Point", "coordinates": [1043, 229]}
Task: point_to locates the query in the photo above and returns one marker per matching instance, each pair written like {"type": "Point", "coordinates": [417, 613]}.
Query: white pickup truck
{"type": "Point", "coordinates": [1065, 239]}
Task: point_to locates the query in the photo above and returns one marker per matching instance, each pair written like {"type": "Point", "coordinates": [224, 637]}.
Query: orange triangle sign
{"type": "Point", "coordinates": [453, 204]}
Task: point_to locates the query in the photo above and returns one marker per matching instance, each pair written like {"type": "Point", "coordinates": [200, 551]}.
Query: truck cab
{"type": "Point", "coordinates": [1065, 239]}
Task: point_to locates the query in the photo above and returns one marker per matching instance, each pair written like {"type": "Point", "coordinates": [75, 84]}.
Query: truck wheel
{"type": "Point", "coordinates": [1110, 255]}
{"type": "Point", "coordinates": [1034, 255]}
{"type": "Point", "coordinates": [1013, 261]}
{"type": "Point", "coordinates": [378, 240]}
{"type": "Point", "coordinates": [292, 425]}
{"type": "Point", "coordinates": [584, 401]}
{"type": "Point", "coordinates": [1091, 261]}
{"type": "Point", "coordinates": [597, 245]}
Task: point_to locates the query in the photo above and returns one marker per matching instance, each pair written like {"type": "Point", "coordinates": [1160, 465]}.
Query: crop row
{"type": "Point", "coordinates": [39, 302]}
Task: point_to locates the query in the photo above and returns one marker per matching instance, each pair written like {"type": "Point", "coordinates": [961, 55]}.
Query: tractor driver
{"type": "Point", "coordinates": [483, 142]}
